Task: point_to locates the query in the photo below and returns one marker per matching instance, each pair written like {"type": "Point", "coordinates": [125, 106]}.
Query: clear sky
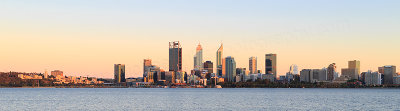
{"type": "Point", "coordinates": [86, 37]}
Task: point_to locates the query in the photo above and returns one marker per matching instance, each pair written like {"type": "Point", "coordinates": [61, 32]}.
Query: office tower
{"type": "Point", "coordinates": [219, 60]}
{"type": "Point", "coordinates": [372, 78]}
{"type": "Point", "coordinates": [306, 75]}
{"type": "Point", "coordinates": [146, 66]}
{"type": "Point", "coordinates": [253, 65]}
{"type": "Point", "coordinates": [175, 56]}
{"type": "Point", "coordinates": [198, 58]}
{"type": "Point", "coordinates": [353, 71]}
{"type": "Point", "coordinates": [355, 64]}
{"type": "Point", "coordinates": [230, 69]}
{"type": "Point", "coordinates": [119, 73]}
{"type": "Point", "coordinates": [208, 65]}
{"type": "Point", "coordinates": [389, 72]}
{"type": "Point", "coordinates": [320, 75]}
{"type": "Point", "coordinates": [56, 73]}
{"type": "Point", "coordinates": [350, 73]}
{"type": "Point", "coordinates": [270, 64]}
{"type": "Point", "coordinates": [331, 71]}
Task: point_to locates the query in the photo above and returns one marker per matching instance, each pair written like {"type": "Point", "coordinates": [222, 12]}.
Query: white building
{"type": "Point", "coordinates": [373, 78]}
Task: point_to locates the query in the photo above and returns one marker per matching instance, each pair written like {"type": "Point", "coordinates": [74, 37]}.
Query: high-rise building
{"type": "Point", "coordinates": [320, 75]}
{"type": "Point", "coordinates": [353, 71]}
{"type": "Point", "coordinates": [372, 78]}
{"type": "Point", "coordinates": [146, 65]}
{"type": "Point", "coordinates": [119, 73]}
{"type": "Point", "coordinates": [350, 73]}
{"type": "Point", "coordinates": [331, 71]}
{"type": "Point", "coordinates": [208, 65]}
{"type": "Point", "coordinates": [56, 73]}
{"type": "Point", "coordinates": [306, 75]}
{"type": "Point", "coordinates": [175, 56]}
{"type": "Point", "coordinates": [198, 58]}
{"type": "Point", "coordinates": [219, 62]}
{"type": "Point", "coordinates": [355, 64]}
{"type": "Point", "coordinates": [270, 64]}
{"type": "Point", "coordinates": [253, 65]}
{"type": "Point", "coordinates": [389, 72]}
{"type": "Point", "coordinates": [230, 69]}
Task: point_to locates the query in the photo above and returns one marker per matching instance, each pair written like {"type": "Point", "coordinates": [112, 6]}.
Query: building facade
{"type": "Point", "coordinates": [230, 69]}
{"type": "Point", "coordinates": [175, 56]}
{"type": "Point", "coordinates": [208, 65]}
{"type": "Point", "coordinates": [198, 58]}
{"type": "Point", "coordinates": [219, 62]}
{"type": "Point", "coordinates": [389, 72]}
{"type": "Point", "coordinates": [271, 64]}
{"type": "Point", "coordinates": [119, 73]}
{"type": "Point", "coordinates": [253, 65]}
{"type": "Point", "coordinates": [331, 72]}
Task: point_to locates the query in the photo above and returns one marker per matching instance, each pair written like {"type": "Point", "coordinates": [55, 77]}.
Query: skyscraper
{"type": "Point", "coordinates": [175, 56]}
{"type": "Point", "coordinates": [355, 64]}
{"type": "Point", "coordinates": [270, 64]}
{"type": "Point", "coordinates": [253, 65]}
{"type": "Point", "coordinates": [208, 65]}
{"type": "Point", "coordinates": [230, 69]}
{"type": "Point", "coordinates": [353, 71]}
{"type": "Point", "coordinates": [146, 65]}
{"type": "Point", "coordinates": [219, 61]}
{"type": "Point", "coordinates": [331, 71]}
{"type": "Point", "coordinates": [119, 73]}
{"type": "Point", "coordinates": [198, 58]}
{"type": "Point", "coordinates": [389, 72]}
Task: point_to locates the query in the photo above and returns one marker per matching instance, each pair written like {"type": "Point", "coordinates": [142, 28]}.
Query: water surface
{"type": "Point", "coordinates": [198, 99]}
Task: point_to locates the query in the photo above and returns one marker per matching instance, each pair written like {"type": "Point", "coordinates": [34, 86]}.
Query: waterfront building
{"type": "Point", "coordinates": [389, 72]}
{"type": "Point", "coordinates": [119, 73]}
{"type": "Point", "coordinates": [208, 65]}
{"type": "Point", "coordinates": [372, 78]}
{"type": "Point", "coordinates": [253, 65]}
{"type": "Point", "coordinates": [198, 58]}
{"type": "Point", "coordinates": [219, 62]}
{"type": "Point", "coordinates": [331, 72]}
{"type": "Point", "coordinates": [230, 69]}
{"type": "Point", "coordinates": [175, 56]}
{"type": "Point", "coordinates": [355, 64]}
{"type": "Point", "coordinates": [396, 80]}
{"type": "Point", "coordinates": [56, 73]}
{"type": "Point", "coordinates": [146, 65]}
{"type": "Point", "coordinates": [320, 75]}
{"type": "Point", "coordinates": [306, 75]}
{"type": "Point", "coordinates": [271, 64]}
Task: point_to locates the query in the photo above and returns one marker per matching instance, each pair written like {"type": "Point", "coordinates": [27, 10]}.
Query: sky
{"type": "Point", "coordinates": [86, 37]}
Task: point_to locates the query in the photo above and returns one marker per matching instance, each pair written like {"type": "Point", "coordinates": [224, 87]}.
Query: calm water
{"type": "Point", "coordinates": [199, 99]}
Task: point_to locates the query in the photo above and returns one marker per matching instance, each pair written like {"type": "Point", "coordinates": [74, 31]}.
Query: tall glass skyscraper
{"type": "Point", "coordinates": [270, 64]}
{"type": "Point", "coordinates": [253, 65]}
{"type": "Point", "coordinates": [230, 73]}
{"type": "Point", "coordinates": [119, 73]}
{"type": "Point", "coordinates": [198, 58]}
{"type": "Point", "coordinates": [219, 62]}
{"type": "Point", "coordinates": [175, 56]}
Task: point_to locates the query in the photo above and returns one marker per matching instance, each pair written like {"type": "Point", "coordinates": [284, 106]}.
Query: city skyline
{"type": "Point", "coordinates": [36, 36]}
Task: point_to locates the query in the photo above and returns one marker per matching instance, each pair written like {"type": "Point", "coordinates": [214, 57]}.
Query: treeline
{"type": "Point", "coordinates": [295, 84]}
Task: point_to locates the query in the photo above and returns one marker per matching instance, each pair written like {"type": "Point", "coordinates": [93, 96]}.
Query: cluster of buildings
{"type": "Point", "coordinates": [59, 78]}
{"type": "Point", "coordinates": [385, 75]}
{"type": "Point", "coordinates": [203, 71]}
{"type": "Point", "coordinates": [227, 71]}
